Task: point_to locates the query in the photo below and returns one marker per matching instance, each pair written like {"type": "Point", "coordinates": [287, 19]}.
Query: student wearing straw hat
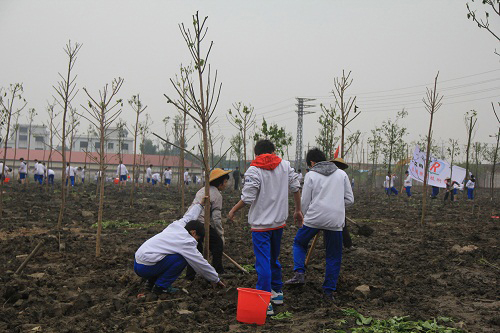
{"type": "Point", "coordinates": [218, 183]}
{"type": "Point", "coordinates": [346, 236]}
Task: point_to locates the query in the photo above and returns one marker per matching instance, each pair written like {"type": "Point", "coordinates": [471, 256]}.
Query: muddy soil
{"type": "Point", "coordinates": [412, 270]}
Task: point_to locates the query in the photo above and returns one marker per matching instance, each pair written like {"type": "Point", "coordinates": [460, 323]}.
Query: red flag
{"type": "Point", "coordinates": [336, 154]}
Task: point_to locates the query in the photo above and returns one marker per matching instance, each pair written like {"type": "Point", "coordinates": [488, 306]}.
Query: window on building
{"type": "Point", "coordinates": [111, 145]}
{"type": "Point", "coordinates": [97, 145]}
{"type": "Point", "coordinates": [84, 144]}
{"type": "Point", "coordinates": [23, 138]}
{"type": "Point", "coordinates": [23, 129]}
{"type": "Point", "coordinates": [39, 139]}
{"type": "Point", "coordinates": [124, 146]}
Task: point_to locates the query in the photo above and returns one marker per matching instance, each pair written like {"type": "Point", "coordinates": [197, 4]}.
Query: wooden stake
{"type": "Point", "coordinates": [25, 262]}
{"type": "Point", "coordinates": [315, 240]}
{"type": "Point", "coordinates": [235, 263]}
{"type": "Point", "coordinates": [311, 249]}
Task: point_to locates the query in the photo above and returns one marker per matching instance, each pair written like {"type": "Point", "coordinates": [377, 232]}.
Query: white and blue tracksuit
{"type": "Point", "coordinates": [266, 190]}
{"type": "Point", "coordinates": [162, 258]}
{"type": "Point", "coordinates": [325, 195]}
{"type": "Point", "coordinates": [470, 188]}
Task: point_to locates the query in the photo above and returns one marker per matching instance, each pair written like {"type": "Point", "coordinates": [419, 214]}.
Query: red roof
{"type": "Point", "coordinates": [111, 158]}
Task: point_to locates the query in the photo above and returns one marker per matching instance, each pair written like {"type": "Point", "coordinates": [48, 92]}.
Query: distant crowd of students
{"type": "Point", "coordinates": [451, 187]}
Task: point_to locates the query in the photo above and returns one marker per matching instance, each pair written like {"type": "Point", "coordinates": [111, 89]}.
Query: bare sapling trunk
{"type": "Point", "coordinates": [16, 131]}
{"type": "Point", "coordinates": [102, 113]}
{"type": "Point", "coordinates": [31, 116]}
{"type": "Point", "coordinates": [7, 99]}
{"type": "Point", "coordinates": [495, 156]}
{"type": "Point", "coordinates": [136, 104]}
{"type": "Point", "coordinates": [182, 162]}
{"type": "Point", "coordinates": [495, 153]}
{"type": "Point", "coordinates": [432, 104]}
{"type": "Point", "coordinates": [52, 116]}
{"type": "Point", "coordinates": [66, 92]}
{"type": "Point", "coordinates": [470, 122]}
{"type": "Point", "coordinates": [345, 106]}
{"type": "Point", "coordinates": [202, 105]}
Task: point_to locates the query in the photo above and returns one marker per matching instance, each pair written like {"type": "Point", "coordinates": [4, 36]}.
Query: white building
{"type": "Point", "coordinates": [37, 139]}
{"type": "Point", "coordinates": [114, 139]}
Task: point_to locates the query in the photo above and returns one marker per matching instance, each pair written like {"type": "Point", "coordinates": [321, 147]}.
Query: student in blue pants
{"type": "Point", "coordinates": [326, 193]}
{"type": "Point", "coordinates": [471, 183]}
{"type": "Point", "coordinates": [267, 182]}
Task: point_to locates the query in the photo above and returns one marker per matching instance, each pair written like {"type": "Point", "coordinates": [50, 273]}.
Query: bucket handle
{"type": "Point", "coordinates": [262, 299]}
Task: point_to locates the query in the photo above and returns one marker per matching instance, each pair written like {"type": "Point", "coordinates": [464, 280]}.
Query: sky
{"type": "Point", "coordinates": [267, 53]}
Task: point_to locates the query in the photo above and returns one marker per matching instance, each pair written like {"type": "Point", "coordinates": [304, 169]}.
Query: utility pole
{"type": "Point", "coordinates": [300, 125]}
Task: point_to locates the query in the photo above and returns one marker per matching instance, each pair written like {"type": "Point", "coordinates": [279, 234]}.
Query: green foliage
{"type": "Point", "coordinates": [249, 268]}
{"type": "Point", "coordinates": [375, 142]}
{"type": "Point", "coordinates": [283, 316]}
{"type": "Point", "coordinates": [277, 135]}
{"type": "Point", "coordinates": [149, 147]}
{"type": "Point", "coordinates": [398, 324]}
{"type": "Point", "coordinates": [237, 144]}
{"type": "Point", "coordinates": [326, 138]}
{"type": "Point", "coordinates": [392, 134]}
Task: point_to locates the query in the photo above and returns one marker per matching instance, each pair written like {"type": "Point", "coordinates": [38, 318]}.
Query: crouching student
{"type": "Point", "coordinates": [218, 183]}
{"type": "Point", "coordinates": [155, 178]}
{"type": "Point", "coordinates": [325, 195]}
{"type": "Point", "coordinates": [267, 182]}
{"type": "Point", "coordinates": [162, 258]}
{"type": "Point", "coordinates": [50, 176]}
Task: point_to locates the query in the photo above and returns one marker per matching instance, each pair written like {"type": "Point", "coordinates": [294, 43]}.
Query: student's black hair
{"type": "Point", "coordinates": [196, 226]}
{"type": "Point", "coordinates": [151, 165]}
{"type": "Point", "coordinates": [407, 171]}
{"type": "Point", "coordinates": [300, 170]}
{"type": "Point", "coordinates": [315, 155]}
{"type": "Point", "coordinates": [264, 146]}
{"type": "Point", "coordinates": [219, 181]}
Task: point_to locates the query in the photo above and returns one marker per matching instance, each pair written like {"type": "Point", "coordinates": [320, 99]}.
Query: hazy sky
{"type": "Point", "coordinates": [267, 53]}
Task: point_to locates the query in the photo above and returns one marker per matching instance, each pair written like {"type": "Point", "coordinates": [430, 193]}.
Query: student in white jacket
{"type": "Point", "coordinates": [23, 170]}
{"type": "Point", "coordinates": [162, 258]}
{"type": "Point", "coordinates": [267, 182]}
{"type": "Point", "coordinates": [167, 175]}
{"type": "Point", "coordinates": [408, 183]}
{"type": "Point", "coordinates": [149, 174]}
{"type": "Point", "coordinates": [70, 174]}
{"type": "Point", "coordinates": [122, 172]}
{"type": "Point", "coordinates": [325, 195]}
{"type": "Point", "coordinates": [470, 187]}
{"type": "Point", "coordinates": [155, 178]}
{"type": "Point", "coordinates": [40, 172]}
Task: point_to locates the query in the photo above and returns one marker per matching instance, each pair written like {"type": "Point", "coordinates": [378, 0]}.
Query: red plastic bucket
{"type": "Point", "coordinates": [6, 180]}
{"type": "Point", "coordinates": [117, 180]}
{"type": "Point", "coordinates": [252, 306]}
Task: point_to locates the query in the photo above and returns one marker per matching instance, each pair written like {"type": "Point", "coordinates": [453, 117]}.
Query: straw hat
{"type": "Point", "coordinates": [217, 173]}
{"type": "Point", "coordinates": [340, 163]}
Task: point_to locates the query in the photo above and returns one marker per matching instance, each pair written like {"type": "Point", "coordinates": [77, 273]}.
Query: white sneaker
{"type": "Point", "coordinates": [270, 311]}
{"type": "Point", "coordinates": [276, 297]}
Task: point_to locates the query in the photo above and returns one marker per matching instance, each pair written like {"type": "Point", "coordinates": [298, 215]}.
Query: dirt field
{"type": "Point", "coordinates": [411, 270]}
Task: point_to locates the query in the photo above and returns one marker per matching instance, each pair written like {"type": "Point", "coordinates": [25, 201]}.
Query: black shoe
{"type": "Point", "coordinates": [298, 279]}
{"type": "Point", "coordinates": [148, 285]}
{"type": "Point", "coordinates": [160, 290]}
{"type": "Point", "coordinates": [328, 296]}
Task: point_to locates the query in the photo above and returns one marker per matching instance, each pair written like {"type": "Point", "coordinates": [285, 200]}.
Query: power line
{"type": "Point", "coordinates": [416, 86]}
